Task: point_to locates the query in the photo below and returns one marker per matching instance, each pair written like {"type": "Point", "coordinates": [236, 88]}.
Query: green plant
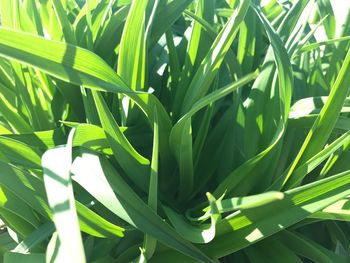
{"type": "Point", "coordinates": [173, 131]}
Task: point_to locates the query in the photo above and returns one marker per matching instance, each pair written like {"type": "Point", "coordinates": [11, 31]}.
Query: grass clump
{"type": "Point", "coordinates": [174, 131]}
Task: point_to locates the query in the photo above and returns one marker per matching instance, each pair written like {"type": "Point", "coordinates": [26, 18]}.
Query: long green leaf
{"type": "Point", "coordinates": [56, 164]}
{"type": "Point", "coordinates": [132, 53]}
{"type": "Point", "coordinates": [150, 242]}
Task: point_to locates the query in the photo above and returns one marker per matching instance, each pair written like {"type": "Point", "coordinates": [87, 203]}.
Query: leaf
{"type": "Point", "coordinates": [132, 53]}
{"type": "Point", "coordinates": [57, 178]}
{"type": "Point", "coordinates": [149, 242]}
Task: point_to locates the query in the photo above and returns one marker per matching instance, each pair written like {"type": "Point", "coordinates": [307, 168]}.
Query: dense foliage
{"type": "Point", "coordinates": [174, 131]}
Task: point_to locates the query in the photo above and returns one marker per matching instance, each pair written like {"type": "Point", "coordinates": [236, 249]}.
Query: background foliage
{"type": "Point", "coordinates": [174, 131]}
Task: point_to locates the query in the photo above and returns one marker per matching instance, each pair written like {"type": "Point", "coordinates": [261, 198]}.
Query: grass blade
{"type": "Point", "coordinates": [57, 178]}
